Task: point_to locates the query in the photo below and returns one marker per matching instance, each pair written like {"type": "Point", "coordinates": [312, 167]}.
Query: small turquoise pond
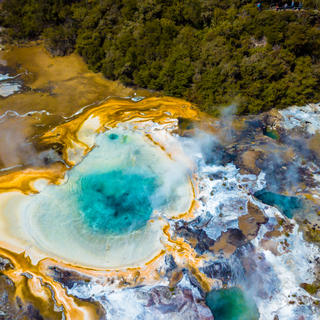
{"type": "Point", "coordinates": [116, 202]}
{"type": "Point", "coordinates": [286, 204]}
{"type": "Point", "coordinates": [273, 134]}
{"type": "Point", "coordinates": [231, 304]}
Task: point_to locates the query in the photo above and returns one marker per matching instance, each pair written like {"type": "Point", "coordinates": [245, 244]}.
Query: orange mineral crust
{"type": "Point", "coordinates": [77, 134]}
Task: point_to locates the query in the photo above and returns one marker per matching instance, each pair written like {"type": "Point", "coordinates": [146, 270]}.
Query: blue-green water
{"type": "Point", "coordinates": [116, 202]}
{"type": "Point", "coordinates": [273, 134]}
{"type": "Point", "coordinates": [113, 136]}
{"type": "Point", "coordinates": [286, 204]}
{"type": "Point", "coordinates": [107, 212]}
{"type": "Point", "coordinates": [231, 304]}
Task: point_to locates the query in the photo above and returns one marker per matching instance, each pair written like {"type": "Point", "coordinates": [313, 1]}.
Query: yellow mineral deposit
{"type": "Point", "coordinates": [60, 85]}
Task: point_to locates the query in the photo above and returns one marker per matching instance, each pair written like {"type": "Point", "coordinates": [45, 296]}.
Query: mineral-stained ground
{"type": "Point", "coordinates": [226, 218]}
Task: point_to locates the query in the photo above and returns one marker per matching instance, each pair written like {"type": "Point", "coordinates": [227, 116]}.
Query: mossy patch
{"type": "Point", "coordinates": [312, 288]}
{"type": "Point", "coordinates": [312, 234]}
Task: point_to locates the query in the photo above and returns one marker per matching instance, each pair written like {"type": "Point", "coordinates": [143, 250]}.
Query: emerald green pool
{"type": "Point", "coordinates": [273, 134]}
{"type": "Point", "coordinates": [231, 304]}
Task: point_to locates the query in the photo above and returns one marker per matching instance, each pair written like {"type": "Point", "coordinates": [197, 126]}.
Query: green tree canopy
{"type": "Point", "coordinates": [213, 52]}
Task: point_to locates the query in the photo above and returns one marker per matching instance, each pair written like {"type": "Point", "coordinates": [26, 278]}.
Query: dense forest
{"type": "Point", "coordinates": [211, 52]}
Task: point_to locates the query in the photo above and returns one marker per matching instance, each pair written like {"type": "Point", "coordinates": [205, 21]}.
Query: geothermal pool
{"type": "Point", "coordinates": [132, 216]}
{"type": "Point", "coordinates": [231, 304]}
{"type": "Point", "coordinates": [110, 210]}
